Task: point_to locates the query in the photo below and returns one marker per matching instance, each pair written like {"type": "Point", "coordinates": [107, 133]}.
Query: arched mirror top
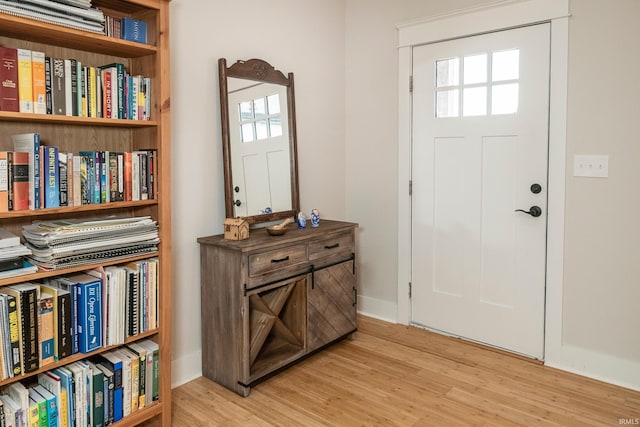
{"type": "Point", "coordinates": [257, 109]}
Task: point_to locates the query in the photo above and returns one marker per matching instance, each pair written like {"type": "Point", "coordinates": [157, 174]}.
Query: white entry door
{"type": "Point", "coordinates": [479, 154]}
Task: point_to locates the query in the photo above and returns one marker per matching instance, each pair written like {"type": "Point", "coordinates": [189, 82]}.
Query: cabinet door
{"type": "Point", "coordinates": [331, 304]}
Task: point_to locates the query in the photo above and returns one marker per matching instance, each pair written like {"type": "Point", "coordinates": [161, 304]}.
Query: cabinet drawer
{"type": "Point", "coordinates": [267, 262]}
{"type": "Point", "coordinates": [337, 244]}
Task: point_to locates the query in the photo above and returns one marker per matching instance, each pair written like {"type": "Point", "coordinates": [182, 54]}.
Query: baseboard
{"type": "Point", "coordinates": [598, 366]}
{"type": "Point", "coordinates": [186, 368]}
{"type": "Point", "coordinates": [378, 309]}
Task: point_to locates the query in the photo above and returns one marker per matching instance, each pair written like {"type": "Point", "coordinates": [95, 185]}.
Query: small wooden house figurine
{"type": "Point", "coordinates": [236, 229]}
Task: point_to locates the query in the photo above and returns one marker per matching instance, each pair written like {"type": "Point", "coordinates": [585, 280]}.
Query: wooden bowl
{"type": "Point", "coordinates": [276, 231]}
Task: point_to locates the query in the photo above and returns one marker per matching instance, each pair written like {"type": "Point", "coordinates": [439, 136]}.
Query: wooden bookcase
{"type": "Point", "coordinates": [74, 134]}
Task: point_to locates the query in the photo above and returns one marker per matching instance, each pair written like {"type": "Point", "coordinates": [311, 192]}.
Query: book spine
{"type": "Point", "coordinates": [73, 92]}
{"type": "Point", "coordinates": [68, 82]}
{"type": "Point", "coordinates": [63, 178]}
{"type": "Point", "coordinates": [65, 346]}
{"type": "Point", "coordinates": [97, 187]}
{"type": "Point", "coordinates": [127, 176]}
{"type": "Point", "coordinates": [105, 194]}
{"type": "Point", "coordinates": [4, 182]}
{"type": "Point", "coordinates": [113, 176]}
{"type": "Point", "coordinates": [25, 82]}
{"type": "Point", "coordinates": [79, 89]}
{"type": "Point", "coordinates": [52, 178]}
{"type": "Point", "coordinates": [14, 334]}
{"type": "Point", "coordinates": [48, 65]}
{"type": "Point", "coordinates": [90, 316]}
{"type": "Point", "coordinates": [78, 198]}
{"type": "Point", "coordinates": [58, 90]}
{"type": "Point", "coordinates": [107, 106]}
{"type": "Point", "coordinates": [39, 82]}
{"type": "Point", "coordinates": [93, 97]}
{"type": "Point", "coordinates": [29, 330]}
{"type": "Point", "coordinates": [134, 30]}
{"type": "Point", "coordinates": [109, 399]}
{"type": "Point", "coordinates": [46, 329]}
{"type": "Point", "coordinates": [37, 202]}
{"type": "Point", "coordinates": [10, 179]}
{"type": "Point", "coordinates": [97, 400]}
{"type": "Point", "coordinates": [20, 181]}
{"type": "Point", "coordinates": [9, 79]}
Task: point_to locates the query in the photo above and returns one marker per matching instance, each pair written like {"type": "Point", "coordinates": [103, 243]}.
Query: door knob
{"type": "Point", "coordinates": [237, 203]}
{"type": "Point", "coordinates": [534, 211]}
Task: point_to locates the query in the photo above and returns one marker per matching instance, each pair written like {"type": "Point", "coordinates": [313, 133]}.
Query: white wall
{"type": "Point", "coordinates": [343, 53]}
{"type": "Point", "coordinates": [303, 37]}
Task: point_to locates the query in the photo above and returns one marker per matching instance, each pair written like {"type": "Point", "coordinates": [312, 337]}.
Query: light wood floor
{"type": "Point", "coordinates": [393, 375]}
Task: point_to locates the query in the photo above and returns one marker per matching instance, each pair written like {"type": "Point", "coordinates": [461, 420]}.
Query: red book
{"type": "Point", "coordinates": [20, 181]}
{"type": "Point", "coordinates": [9, 79]}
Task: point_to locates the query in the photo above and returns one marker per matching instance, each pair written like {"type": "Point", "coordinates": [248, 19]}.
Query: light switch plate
{"type": "Point", "coordinates": [591, 166]}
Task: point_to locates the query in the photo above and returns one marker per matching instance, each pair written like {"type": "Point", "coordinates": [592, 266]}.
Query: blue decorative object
{"type": "Point", "coordinates": [315, 218]}
{"type": "Point", "coordinates": [302, 221]}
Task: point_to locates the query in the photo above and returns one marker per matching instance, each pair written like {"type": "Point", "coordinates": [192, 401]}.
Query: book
{"type": "Point", "coordinates": [14, 362]}
{"type": "Point", "coordinates": [46, 339]}
{"type": "Point", "coordinates": [9, 79]}
{"type": "Point", "coordinates": [5, 340]}
{"type": "Point", "coordinates": [52, 405]}
{"type": "Point", "coordinates": [68, 94]}
{"type": "Point", "coordinates": [66, 383]}
{"type": "Point", "coordinates": [20, 181]}
{"type": "Point", "coordinates": [80, 404]}
{"type": "Point", "coordinates": [97, 396]}
{"type": "Point", "coordinates": [51, 177]}
{"type": "Point", "coordinates": [48, 81]}
{"type": "Point", "coordinates": [127, 165]}
{"type": "Point", "coordinates": [34, 414]}
{"type": "Point", "coordinates": [27, 268]}
{"type": "Point", "coordinates": [41, 401]}
{"type": "Point", "coordinates": [70, 285]}
{"type": "Point", "coordinates": [10, 178]}
{"type": "Point", "coordinates": [27, 295]}
{"type": "Point", "coordinates": [4, 181]}
{"type": "Point", "coordinates": [12, 411]}
{"type": "Point", "coordinates": [108, 392]}
{"type": "Point", "coordinates": [61, 321]}
{"type": "Point", "coordinates": [53, 383]}
{"type": "Point", "coordinates": [8, 239]}
{"type": "Point", "coordinates": [72, 93]}
{"type": "Point", "coordinates": [10, 264]}
{"type": "Point", "coordinates": [58, 86]}
{"type": "Point", "coordinates": [63, 179]}
{"type": "Point", "coordinates": [117, 87]}
{"type": "Point", "coordinates": [126, 381]}
{"type": "Point", "coordinates": [77, 180]}
{"type": "Point", "coordinates": [89, 293]}
{"type": "Point", "coordinates": [30, 143]}
{"type": "Point", "coordinates": [113, 362]}
{"type": "Point", "coordinates": [134, 30]}
{"type": "Point", "coordinates": [39, 82]}
{"type": "Point", "coordinates": [141, 352]}
{"type": "Point", "coordinates": [25, 82]}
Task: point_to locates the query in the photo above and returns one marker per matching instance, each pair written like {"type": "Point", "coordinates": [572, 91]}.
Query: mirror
{"type": "Point", "coordinates": [258, 141]}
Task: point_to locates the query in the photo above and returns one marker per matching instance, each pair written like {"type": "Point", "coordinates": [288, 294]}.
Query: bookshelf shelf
{"type": "Point", "coordinates": [76, 134]}
{"type": "Point", "coordinates": [7, 116]}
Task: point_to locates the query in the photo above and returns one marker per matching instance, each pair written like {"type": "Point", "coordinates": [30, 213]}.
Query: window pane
{"type": "Point", "coordinates": [261, 129]}
{"type": "Point", "coordinates": [275, 127]}
{"type": "Point", "coordinates": [505, 65]}
{"type": "Point", "coordinates": [244, 109]}
{"type": "Point", "coordinates": [246, 130]}
{"type": "Point", "coordinates": [504, 99]}
{"type": "Point", "coordinates": [447, 103]}
{"type": "Point", "coordinates": [448, 72]}
{"type": "Point", "coordinates": [259, 107]}
{"type": "Point", "coordinates": [273, 102]}
{"type": "Point", "coordinates": [474, 101]}
{"type": "Point", "coordinates": [475, 69]}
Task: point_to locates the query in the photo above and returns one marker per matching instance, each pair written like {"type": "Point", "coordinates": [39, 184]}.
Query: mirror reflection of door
{"type": "Point", "coordinates": [260, 155]}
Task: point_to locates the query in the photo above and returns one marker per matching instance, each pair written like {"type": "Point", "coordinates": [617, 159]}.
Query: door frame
{"type": "Point", "coordinates": [492, 17]}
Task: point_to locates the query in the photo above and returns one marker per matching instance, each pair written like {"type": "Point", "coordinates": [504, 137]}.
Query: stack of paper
{"type": "Point", "coordinates": [67, 243]}
{"type": "Point", "coordinates": [70, 13]}
{"type": "Point", "coordinates": [11, 252]}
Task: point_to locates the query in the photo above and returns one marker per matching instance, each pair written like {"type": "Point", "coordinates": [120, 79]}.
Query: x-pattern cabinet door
{"type": "Point", "coordinates": [331, 304]}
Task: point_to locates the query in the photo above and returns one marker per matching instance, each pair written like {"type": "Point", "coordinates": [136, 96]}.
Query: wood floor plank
{"type": "Point", "coordinates": [396, 375]}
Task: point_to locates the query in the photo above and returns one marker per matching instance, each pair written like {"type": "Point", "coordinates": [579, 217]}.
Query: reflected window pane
{"type": "Point", "coordinates": [245, 112]}
{"type": "Point", "coordinates": [474, 101]}
{"type": "Point", "coordinates": [261, 130]}
{"type": "Point", "coordinates": [504, 99]}
{"type": "Point", "coordinates": [505, 65]}
{"type": "Point", "coordinates": [448, 72]}
{"type": "Point", "coordinates": [447, 103]}
{"type": "Point", "coordinates": [275, 127]}
{"type": "Point", "coordinates": [475, 69]}
{"type": "Point", "coordinates": [273, 102]}
{"type": "Point", "coordinates": [246, 131]}
{"type": "Point", "coordinates": [259, 107]}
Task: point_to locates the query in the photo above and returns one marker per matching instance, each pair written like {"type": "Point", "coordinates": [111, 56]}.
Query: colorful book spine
{"type": "Point", "coordinates": [63, 178]}
{"type": "Point", "coordinates": [89, 316]}
{"type": "Point", "coordinates": [58, 89]}
{"type": "Point", "coordinates": [4, 181]}
{"type": "Point", "coordinates": [9, 79]}
{"type": "Point", "coordinates": [52, 178]}
{"type": "Point", "coordinates": [25, 82]}
{"type": "Point", "coordinates": [48, 77]}
{"type": "Point", "coordinates": [46, 331]}
{"type": "Point", "coordinates": [39, 83]}
{"type": "Point", "coordinates": [20, 181]}
{"type": "Point", "coordinates": [134, 30]}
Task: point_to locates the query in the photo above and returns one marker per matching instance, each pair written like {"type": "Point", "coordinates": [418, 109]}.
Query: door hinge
{"type": "Point", "coordinates": [410, 84]}
{"type": "Point", "coordinates": [409, 289]}
{"type": "Point", "coordinates": [410, 187]}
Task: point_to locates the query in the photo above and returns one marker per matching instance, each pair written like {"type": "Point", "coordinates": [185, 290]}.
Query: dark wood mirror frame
{"type": "Point", "coordinates": [261, 71]}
